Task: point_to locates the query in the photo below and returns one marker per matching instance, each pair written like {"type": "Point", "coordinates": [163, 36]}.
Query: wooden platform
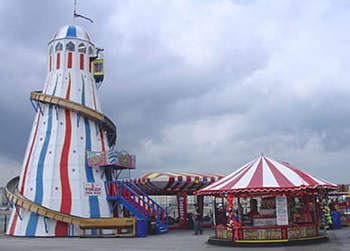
{"type": "Point", "coordinates": [123, 227]}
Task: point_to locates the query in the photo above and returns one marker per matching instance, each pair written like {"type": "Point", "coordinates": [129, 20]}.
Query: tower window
{"type": "Point", "coordinates": [90, 51]}
{"type": "Point", "coordinates": [70, 60]}
{"type": "Point", "coordinates": [51, 50]}
{"type": "Point", "coordinates": [50, 63]}
{"type": "Point", "coordinates": [58, 60]}
{"type": "Point", "coordinates": [82, 48]}
{"type": "Point", "coordinates": [70, 46]}
{"type": "Point", "coordinates": [81, 61]}
{"type": "Point", "coordinates": [59, 47]}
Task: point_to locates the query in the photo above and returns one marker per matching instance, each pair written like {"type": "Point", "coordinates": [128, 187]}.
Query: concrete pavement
{"type": "Point", "coordinates": [175, 240]}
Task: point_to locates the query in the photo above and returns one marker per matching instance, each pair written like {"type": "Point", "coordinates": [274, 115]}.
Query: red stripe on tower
{"type": "Point", "coordinates": [93, 94]}
{"type": "Point", "coordinates": [66, 193]}
{"type": "Point", "coordinates": [29, 155]}
{"type": "Point", "coordinates": [14, 222]}
{"type": "Point", "coordinates": [102, 140]}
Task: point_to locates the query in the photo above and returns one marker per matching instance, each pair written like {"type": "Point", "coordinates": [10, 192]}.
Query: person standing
{"type": "Point", "coordinates": [197, 220]}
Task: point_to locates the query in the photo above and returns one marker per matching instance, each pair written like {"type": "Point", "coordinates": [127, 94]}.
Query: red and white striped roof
{"type": "Point", "coordinates": [265, 174]}
{"type": "Point", "coordinates": [170, 183]}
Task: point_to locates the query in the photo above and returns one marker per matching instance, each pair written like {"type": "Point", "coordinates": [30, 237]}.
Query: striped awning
{"type": "Point", "coordinates": [155, 183]}
{"type": "Point", "coordinates": [264, 175]}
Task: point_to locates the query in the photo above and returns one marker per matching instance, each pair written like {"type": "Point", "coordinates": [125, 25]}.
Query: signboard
{"type": "Point", "coordinates": [116, 158]}
{"type": "Point", "coordinates": [281, 210]}
{"type": "Point", "coordinates": [182, 207]}
{"type": "Point", "coordinates": [92, 189]}
{"type": "Point", "coordinates": [301, 231]}
{"type": "Point", "coordinates": [262, 234]}
{"type": "Point", "coordinates": [264, 222]}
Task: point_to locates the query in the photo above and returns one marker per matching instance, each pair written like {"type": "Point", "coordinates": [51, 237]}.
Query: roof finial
{"type": "Point", "coordinates": [262, 154]}
{"type": "Point", "coordinates": [75, 14]}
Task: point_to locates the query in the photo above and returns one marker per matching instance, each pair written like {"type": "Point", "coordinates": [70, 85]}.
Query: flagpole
{"type": "Point", "coordinates": [75, 14]}
{"type": "Point", "coordinates": [74, 10]}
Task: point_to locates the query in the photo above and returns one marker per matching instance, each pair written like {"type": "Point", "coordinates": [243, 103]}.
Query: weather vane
{"type": "Point", "coordinates": [75, 14]}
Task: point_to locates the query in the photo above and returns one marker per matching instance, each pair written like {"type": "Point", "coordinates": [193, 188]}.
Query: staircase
{"type": "Point", "coordinates": [138, 203]}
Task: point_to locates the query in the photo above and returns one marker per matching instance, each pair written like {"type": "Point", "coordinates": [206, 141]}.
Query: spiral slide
{"type": "Point", "coordinates": [19, 200]}
{"type": "Point", "coordinates": [85, 111]}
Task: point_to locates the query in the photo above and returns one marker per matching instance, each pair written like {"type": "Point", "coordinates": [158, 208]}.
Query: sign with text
{"type": "Point", "coordinates": [281, 210]}
{"type": "Point", "coordinates": [92, 189]}
{"type": "Point", "coordinates": [182, 207]}
{"type": "Point", "coordinates": [107, 158]}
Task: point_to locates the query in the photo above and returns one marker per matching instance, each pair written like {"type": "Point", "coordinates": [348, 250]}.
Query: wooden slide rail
{"type": "Point", "coordinates": [85, 111]}
{"type": "Point", "coordinates": [84, 223]}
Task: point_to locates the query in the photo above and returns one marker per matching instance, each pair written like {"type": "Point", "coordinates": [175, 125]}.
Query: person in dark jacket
{"type": "Point", "coordinates": [197, 221]}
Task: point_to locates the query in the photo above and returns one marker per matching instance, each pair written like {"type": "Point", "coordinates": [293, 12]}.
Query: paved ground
{"type": "Point", "coordinates": [175, 240]}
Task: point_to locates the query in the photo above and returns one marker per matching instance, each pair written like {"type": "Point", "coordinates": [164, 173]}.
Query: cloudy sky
{"type": "Point", "coordinates": [200, 86]}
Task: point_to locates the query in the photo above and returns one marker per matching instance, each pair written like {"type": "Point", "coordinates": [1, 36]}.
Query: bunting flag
{"type": "Point", "coordinates": [81, 16]}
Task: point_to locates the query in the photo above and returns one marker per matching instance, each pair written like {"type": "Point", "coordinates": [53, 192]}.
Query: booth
{"type": "Point", "coordinates": [340, 203]}
{"type": "Point", "coordinates": [269, 201]}
{"type": "Point", "coordinates": [174, 190]}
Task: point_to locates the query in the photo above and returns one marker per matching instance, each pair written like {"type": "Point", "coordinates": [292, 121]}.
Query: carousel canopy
{"type": "Point", "coordinates": [264, 175]}
{"type": "Point", "coordinates": [171, 183]}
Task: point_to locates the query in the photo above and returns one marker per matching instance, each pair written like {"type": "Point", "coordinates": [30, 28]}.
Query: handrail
{"type": "Point", "coordinates": [144, 194]}
{"type": "Point", "coordinates": [133, 192]}
{"type": "Point", "coordinates": [87, 112]}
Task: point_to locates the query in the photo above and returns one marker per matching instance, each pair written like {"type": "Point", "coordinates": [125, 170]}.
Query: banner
{"type": "Point", "coordinates": [182, 207]}
{"type": "Point", "coordinates": [281, 210]}
{"type": "Point", "coordinates": [115, 158]}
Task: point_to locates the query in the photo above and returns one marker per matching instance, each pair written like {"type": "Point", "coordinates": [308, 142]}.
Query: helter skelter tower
{"type": "Point", "coordinates": [68, 122]}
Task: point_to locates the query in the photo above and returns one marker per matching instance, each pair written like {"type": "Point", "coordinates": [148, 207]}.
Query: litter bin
{"type": "Point", "coordinates": [151, 225]}
{"type": "Point", "coordinates": [141, 228]}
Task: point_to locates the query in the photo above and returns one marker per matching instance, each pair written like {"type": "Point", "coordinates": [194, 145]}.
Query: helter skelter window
{"type": "Point", "coordinates": [90, 51]}
{"type": "Point", "coordinates": [50, 50]}
{"type": "Point", "coordinates": [82, 48]}
{"type": "Point", "coordinates": [59, 47]}
{"type": "Point", "coordinates": [70, 46]}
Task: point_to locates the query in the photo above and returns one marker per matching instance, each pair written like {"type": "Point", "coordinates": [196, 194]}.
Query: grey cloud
{"type": "Point", "coordinates": [198, 86]}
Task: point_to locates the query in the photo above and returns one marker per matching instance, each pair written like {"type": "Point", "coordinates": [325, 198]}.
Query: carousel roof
{"type": "Point", "coordinates": [264, 175]}
{"type": "Point", "coordinates": [155, 183]}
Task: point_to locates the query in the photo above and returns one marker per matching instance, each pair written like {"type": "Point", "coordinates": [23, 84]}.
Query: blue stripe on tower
{"type": "Point", "coordinates": [71, 31]}
{"type": "Point", "coordinates": [33, 220]}
{"type": "Point", "coordinates": [93, 200]}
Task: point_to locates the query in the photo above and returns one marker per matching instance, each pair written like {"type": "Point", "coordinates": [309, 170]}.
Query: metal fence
{"type": "Point", "coordinates": [4, 210]}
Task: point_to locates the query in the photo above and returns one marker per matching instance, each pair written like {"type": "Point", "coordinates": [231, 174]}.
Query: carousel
{"type": "Point", "coordinates": [270, 202]}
